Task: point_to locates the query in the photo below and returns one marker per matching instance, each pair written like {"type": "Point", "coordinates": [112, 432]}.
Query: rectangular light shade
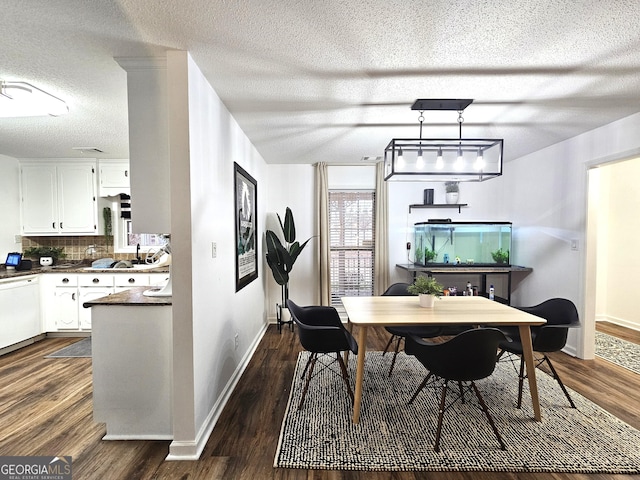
{"type": "Point", "coordinates": [19, 99]}
{"type": "Point", "coordinates": [443, 160]}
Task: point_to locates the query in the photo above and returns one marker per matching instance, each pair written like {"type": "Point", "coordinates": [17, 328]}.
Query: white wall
{"type": "Point", "coordinates": [208, 313]}
{"type": "Point", "coordinates": [10, 224]}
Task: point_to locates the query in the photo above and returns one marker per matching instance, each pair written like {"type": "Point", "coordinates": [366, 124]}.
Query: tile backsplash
{"type": "Point", "coordinates": [78, 248]}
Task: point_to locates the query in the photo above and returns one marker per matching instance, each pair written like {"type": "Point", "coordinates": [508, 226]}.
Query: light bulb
{"type": "Point", "coordinates": [439, 161]}
{"type": "Point", "coordinates": [420, 160]}
{"type": "Point", "coordinates": [479, 165]}
{"type": "Point", "coordinates": [400, 162]}
{"type": "Point", "coordinates": [459, 161]}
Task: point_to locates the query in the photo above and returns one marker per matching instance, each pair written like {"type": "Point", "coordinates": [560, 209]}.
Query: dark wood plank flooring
{"type": "Point", "coordinates": [46, 409]}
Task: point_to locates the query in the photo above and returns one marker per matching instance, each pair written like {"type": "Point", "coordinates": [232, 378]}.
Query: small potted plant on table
{"type": "Point", "coordinates": [427, 288]}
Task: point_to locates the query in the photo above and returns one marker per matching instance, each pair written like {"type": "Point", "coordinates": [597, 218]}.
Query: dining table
{"type": "Point", "coordinates": [475, 311]}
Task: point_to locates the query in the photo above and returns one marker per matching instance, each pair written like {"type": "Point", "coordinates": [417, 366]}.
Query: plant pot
{"type": "Point", "coordinates": [426, 300]}
{"type": "Point", "coordinates": [452, 197]}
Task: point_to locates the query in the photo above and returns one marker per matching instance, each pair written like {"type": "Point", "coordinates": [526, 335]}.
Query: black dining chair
{"type": "Point", "coordinates": [321, 332]}
{"type": "Point", "coordinates": [398, 333]}
{"type": "Point", "coordinates": [560, 314]}
{"type": "Point", "coordinates": [469, 356]}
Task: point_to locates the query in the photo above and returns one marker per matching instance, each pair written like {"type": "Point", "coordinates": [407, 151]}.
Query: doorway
{"type": "Point", "coordinates": [612, 257]}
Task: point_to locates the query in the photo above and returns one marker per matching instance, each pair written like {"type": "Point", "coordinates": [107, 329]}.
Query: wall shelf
{"type": "Point", "coordinates": [439, 205]}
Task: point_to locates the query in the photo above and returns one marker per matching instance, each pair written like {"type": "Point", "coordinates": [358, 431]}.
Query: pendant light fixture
{"type": "Point", "coordinates": [443, 160]}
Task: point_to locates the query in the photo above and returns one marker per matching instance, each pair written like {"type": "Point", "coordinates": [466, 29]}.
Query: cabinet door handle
{"type": "Point", "coordinates": [132, 280]}
{"type": "Point", "coordinates": [65, 280]}
{"type": "Point", "coordinates": [73, 296]}
{"type": "Point", "coordinates": [53, 224]}
{"type": "Point", "coordinates": [61, 226]}
{"type": "Point", "coordinates": [126, 173]}
{"type": "Point", "coordinates": [96, 280]}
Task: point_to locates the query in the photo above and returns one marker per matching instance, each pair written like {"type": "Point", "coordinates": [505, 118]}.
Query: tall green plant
{"type": "Point", "coordinates": [281, 257]}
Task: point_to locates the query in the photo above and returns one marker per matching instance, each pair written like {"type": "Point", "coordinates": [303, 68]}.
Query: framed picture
{"type": "Point", "coordinates": [246, 208]}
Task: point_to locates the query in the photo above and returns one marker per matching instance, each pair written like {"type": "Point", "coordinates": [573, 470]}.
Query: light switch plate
{"type": "Point", "coordinates": [214, 249]}
{"type": "Point", "coordinates": [574, 244]}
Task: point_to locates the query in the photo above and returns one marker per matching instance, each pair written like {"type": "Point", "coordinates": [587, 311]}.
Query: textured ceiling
{"type": "Point", "coordinates": [331, 80]}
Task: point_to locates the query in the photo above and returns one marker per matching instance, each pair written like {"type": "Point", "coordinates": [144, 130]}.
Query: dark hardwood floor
{"type": "Point", "coordinates": [46, 409]}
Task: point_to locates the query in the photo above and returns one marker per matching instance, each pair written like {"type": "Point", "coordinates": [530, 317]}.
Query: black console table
{"type": "Point", "coordinates": [481, 270]}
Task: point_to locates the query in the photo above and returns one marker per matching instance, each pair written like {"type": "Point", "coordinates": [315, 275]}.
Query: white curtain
{"type": "Point", "coordinates": [381, 253]}
{"type": "Point", "coordinates": [322, 229]}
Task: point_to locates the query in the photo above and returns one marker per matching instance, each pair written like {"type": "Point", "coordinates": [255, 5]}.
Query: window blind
{"type": "Point", "coordinates": [351, 232]}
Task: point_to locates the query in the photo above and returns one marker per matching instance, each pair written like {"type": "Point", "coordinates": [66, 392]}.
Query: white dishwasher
{"type": "Point", "coordinates": [20, 307]}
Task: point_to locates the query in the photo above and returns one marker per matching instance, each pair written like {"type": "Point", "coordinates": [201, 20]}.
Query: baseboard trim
{"type": "Point", "coordinates": [191, 450]}
{"type": "Point", "coordinates": [618, 321]}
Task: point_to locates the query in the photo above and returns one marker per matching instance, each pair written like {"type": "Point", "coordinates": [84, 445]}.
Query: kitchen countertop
{"type": "Point", "coordinates": [73, 268]}
{"type": "Point", "coordinates": [131, 297]}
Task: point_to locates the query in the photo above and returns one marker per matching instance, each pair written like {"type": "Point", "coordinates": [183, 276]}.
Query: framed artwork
{"type": "Point", "coordinates": [246, 216]}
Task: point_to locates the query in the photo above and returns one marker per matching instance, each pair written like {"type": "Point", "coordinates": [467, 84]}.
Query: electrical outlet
{"type": "Point", "coordinates": [574, 244]}
{"type": "Point", "coordinates": [408, 245]}
{"type": "Point", "coordinates": [17, 238]}
{"type": "Point", "coordinates": [237, 341]}
{"type": "Point", "coordinates": [214, 249]}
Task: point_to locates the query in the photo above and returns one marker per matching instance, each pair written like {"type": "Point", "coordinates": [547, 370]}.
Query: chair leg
{"type": "Point", "coordinates": [311, 357]}
{"type": "Point", "coordinates": [557, 377]}
{"type": "Point", "coordinates": [310, 364]}
{"type": "Point", "coordinates": [388, 344]}
{"type": "Point", "coordinates": [395, 354]}
{"type": "Point", "coordinates": [422, 385]}
{"type": "Point", "coordinates": [486, 412]}
{"type": "Point", "coordinates": [345, 376]}
{"type": "Point", "coordinates": [520, 381]}
{"type": "Point", "coordinates": [443, 399]}
{"type": "Point", "coordinates": [461, 391]}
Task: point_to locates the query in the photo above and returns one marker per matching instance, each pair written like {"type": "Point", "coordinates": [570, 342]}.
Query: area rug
{"type": "Point", "coordinates": [77, 349]}
{"type": "Point", "coordinates": [395, 436]}
{"type": "Point", "coordinates": [618, 351]}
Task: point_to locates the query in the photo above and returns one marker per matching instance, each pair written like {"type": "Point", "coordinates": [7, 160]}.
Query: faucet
{"type": "Point", "coordinates": [138, 253]}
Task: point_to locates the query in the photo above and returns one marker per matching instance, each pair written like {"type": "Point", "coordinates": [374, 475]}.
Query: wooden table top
{"type": "Point", "coordinates": [405, 310]}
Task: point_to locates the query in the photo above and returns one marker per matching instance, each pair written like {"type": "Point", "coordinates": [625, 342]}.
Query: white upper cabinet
{"type": "Point", "coordinates": [58, 198]}
{"type": "Point", "coordinates": [114, 177]}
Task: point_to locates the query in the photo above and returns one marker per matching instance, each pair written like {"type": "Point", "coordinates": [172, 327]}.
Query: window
{"type": "Point", "coordinates": [125, 241]}
{"type": "Point", "coordinates": [351, 232]}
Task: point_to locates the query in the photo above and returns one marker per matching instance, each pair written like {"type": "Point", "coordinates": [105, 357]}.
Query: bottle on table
{"type": "Point", "coordinates": [491, 293]}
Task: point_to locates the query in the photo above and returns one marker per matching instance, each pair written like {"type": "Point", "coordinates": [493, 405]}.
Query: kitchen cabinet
{"type": "Point", "coordinates": [20, 306]}
{"type": "Point", "coordinates": [114, 177]}
{"type": "Point", "coordinates": [63, 295]}
{"type": "Point", "coordinates": [90, 287]}
{"type": "Point", "coordinates": [61, 302]}
{"type": "Point", "coordinates": [58, 198]}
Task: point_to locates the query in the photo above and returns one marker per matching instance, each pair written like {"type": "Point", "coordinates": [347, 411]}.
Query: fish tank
{"type": "Point", "coordinates": [443, 242]}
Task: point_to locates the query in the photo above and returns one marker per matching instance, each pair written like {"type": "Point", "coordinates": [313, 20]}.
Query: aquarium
{"type": "Point", "coordinates": [463, 243]}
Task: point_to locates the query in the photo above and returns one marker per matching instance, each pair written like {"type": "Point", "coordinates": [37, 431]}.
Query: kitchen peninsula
{"type": "Point", "coordinates": [132, 365]}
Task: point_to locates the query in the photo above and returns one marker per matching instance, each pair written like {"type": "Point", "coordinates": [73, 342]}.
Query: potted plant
{"type": "Point", "coordinates": [500, 256]}
{"type": "Point", "coordinates": [427, 288]}
{"type": "Point", "coordinates": [281, 257]}
{"type": "Point", "coordinates": [452, 191]}
{"type": "Point", "coordinates": [39, 252]}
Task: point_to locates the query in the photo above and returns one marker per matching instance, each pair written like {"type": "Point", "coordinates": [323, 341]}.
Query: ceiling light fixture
{"type": "Point", "coordinates": [20, 99]}
{"type": "Point", "coordinates": [443, 160]}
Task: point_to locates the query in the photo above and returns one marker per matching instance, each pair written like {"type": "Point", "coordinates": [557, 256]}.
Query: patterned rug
{"type": "Point", "coordinates": [77, 349]}
{"type": "Point", "coordinates": [620, 352]}
{"type": "Point", "coordinates": [394, 436]}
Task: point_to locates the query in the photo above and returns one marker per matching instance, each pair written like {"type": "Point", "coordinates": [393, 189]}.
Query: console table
{"type": "Point", "coordinates": [481, 270]}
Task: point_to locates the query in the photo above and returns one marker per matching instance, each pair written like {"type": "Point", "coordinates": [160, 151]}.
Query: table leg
{"type": "Point", "coordinates": [362, 348]}
{"type": "Point", "coordinates": [346, 352]}
{"type": "Point", "coordinates": [527, 352]}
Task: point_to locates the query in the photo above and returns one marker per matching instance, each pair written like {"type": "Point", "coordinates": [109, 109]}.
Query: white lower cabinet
{"type": "Point", "coordinates": [64, 294]}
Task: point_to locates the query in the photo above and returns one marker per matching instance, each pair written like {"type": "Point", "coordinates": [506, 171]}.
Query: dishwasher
{"type": "Point", "coordinates": [20, 306]}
